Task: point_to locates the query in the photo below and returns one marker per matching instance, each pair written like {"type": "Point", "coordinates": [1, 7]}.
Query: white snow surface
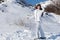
{"type": "Point", "coordinates": [17, 23]}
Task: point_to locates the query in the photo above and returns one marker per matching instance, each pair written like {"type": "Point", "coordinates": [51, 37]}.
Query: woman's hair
{"type": "Point", "coordinates": [37, 6]}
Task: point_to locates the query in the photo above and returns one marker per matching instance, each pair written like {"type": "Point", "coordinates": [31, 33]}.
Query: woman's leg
{"type": "Point", "coordinates": [40, 32]}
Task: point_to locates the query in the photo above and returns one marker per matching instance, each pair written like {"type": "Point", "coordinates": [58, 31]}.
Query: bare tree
{"type": "Point", "coordinates": [54, 7]}
{"type": "Point", "coordinates": [56, 2]}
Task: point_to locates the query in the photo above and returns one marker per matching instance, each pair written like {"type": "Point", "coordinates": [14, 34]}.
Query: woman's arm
{"type": "Point", "coordinates": [35, 13]}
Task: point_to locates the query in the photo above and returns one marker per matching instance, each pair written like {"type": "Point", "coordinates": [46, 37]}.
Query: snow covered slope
{"type": "Point", "coordinates": [12, 13]}
{"type": "Point", "coordinates": [12, 21]}
{"type": "Point", "coordinates": [17, 22]}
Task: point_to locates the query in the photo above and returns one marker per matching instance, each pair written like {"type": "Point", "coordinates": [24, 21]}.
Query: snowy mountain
{"type": "Point", "coordinates": [23, 2]}
{"type": "Point", "coordinates": [17, 22]}
{"type": "Point", "coordinates": [13, 13]}
{"type": "Point", "coordinates": [13, 18]}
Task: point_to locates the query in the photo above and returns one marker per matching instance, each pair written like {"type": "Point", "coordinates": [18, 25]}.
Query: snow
{"type": "Point", "coordinates": [17, 22]}
{"type": "Point", "coordinates": [12, 22]}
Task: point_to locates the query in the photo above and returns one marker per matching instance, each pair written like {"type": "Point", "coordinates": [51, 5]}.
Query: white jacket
{"type": "Point", "coordinates": [37, 14]}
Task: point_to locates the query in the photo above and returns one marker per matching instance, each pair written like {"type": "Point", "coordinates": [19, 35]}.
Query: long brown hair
{"type": "Point", "coordinates": [37, 6]}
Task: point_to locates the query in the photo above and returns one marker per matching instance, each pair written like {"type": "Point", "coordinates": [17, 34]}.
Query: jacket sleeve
{"type": "Point", "coordinates": [35, 13]}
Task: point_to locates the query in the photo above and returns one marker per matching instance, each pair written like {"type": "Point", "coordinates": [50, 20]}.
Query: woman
{"type": "Point", "coordinates": [38, 13]}
{"type": "Point", "coordinates": [50, 21]}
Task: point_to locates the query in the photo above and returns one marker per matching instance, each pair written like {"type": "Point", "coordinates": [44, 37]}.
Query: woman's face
{"type": "Point", "coordinates": [38, 7]}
